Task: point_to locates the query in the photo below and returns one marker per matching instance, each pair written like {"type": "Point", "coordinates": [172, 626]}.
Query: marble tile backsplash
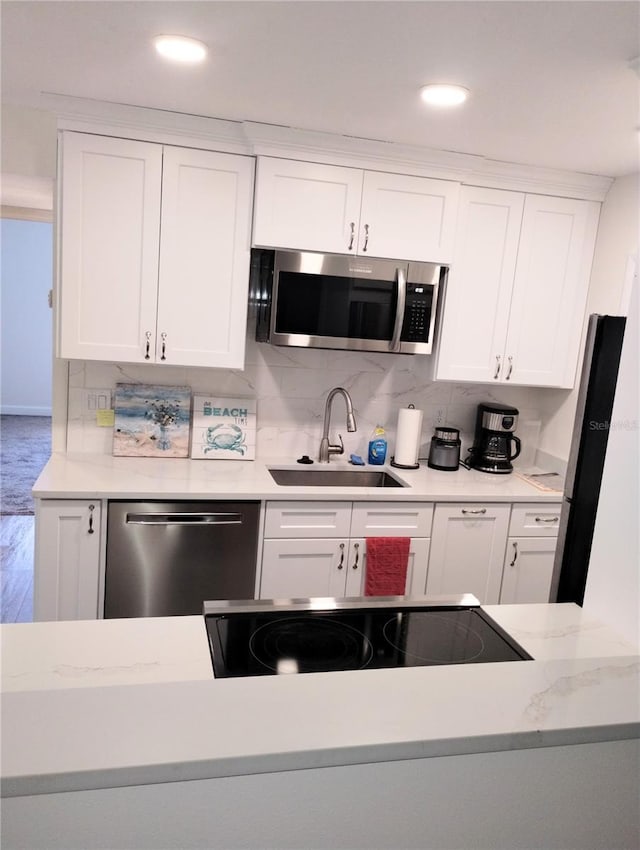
{"type": "Point", "coordinates": [291, 386]}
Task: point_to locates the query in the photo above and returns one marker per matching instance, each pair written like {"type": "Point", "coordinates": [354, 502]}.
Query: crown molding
{"type": "Point", "coordinates": [151, 125]}
{"type": "Point", "coordinates": [470, 169]}
{"type": "Point", "coordinates": [259, 139]}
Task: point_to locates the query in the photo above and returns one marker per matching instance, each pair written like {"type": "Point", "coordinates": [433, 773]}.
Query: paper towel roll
{"type": "Point", "coordinates": [408, 437]}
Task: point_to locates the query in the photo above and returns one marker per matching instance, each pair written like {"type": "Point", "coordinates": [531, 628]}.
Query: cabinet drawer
{"type": "Point", "coordinates": [379, 519]}
{"type": "Point", "coordinates": [534, 520]}
{"type": "Point", "coordinates": [307, 519]}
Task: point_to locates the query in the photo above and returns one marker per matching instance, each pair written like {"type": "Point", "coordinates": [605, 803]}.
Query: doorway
{"type": "Point", "coordinates": [26, 357]}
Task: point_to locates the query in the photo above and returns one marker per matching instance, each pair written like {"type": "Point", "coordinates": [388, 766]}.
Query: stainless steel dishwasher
{"type": "Point", "coordinates": [166, 558]}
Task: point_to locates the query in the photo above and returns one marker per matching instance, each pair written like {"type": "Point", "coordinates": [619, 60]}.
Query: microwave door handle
{"type": "Point", "coordinates": [401, 280]}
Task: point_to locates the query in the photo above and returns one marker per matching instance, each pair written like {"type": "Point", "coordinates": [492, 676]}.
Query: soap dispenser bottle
{"type": "Point", "coordinates": [377, 446]}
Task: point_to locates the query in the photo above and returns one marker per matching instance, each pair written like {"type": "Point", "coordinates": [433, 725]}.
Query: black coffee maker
{"type": "Point", "coordinates": [494, 437]}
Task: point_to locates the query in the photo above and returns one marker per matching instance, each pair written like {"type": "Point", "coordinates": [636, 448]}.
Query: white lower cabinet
{"type": "Point", "coordinates": [319, 548]}
{"type": "Point", "coordinates": [67, 559]}
{"type": "Point", "coordinates": [530, 553]}
{"type": "Point", "coordinates": [467, 550]}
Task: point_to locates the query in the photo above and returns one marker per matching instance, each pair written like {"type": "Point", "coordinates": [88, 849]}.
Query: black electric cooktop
{"type": "Point", "coordinates": [263, 638]}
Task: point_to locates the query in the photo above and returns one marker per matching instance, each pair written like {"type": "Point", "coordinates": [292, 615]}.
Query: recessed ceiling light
{"type": "Point", "coordinates": [444, 95]}
{"type": "Point", "coordinates": [179, 48]}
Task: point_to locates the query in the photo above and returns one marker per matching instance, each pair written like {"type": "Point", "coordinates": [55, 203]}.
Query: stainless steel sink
{"type": "Point", "coordinates": [334, 478]}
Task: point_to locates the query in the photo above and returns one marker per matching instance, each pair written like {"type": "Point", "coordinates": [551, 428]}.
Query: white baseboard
{"type": "Point", "coordinates": [18, 410]}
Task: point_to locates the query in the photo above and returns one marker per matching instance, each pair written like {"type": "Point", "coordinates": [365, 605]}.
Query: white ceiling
{"type": "Point", "coordinates": [551, 81]}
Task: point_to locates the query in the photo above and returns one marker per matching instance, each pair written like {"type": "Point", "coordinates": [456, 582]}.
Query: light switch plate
{"type": "Point", "coordinates": [94, 401]}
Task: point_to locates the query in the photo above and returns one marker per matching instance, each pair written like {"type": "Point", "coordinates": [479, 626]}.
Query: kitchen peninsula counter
{"type": "Point", "coordinates": [115, 734]}
{"type": "Point", "coordinates": [70, 476]}
{"type": "Point", "coordinates": [101, 704]}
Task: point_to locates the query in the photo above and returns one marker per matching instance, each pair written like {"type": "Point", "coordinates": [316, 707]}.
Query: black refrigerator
{"type": "Point", "coordinates": [586, 457]}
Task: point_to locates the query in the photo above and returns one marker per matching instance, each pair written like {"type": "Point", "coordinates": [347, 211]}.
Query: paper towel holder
{"type": "Point", "coordinates": [415, 465]}
{"type": "Point", "coordinates": [404, 465]}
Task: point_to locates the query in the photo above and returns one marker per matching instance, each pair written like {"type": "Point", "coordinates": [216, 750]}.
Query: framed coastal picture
{"type": "Point", "coordinates": [151, 421]}
{"type": "Point", "coordinates": [223, 428]}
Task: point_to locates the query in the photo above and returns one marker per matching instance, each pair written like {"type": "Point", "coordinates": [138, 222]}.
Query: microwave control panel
{"type": "Point", "coordinates": [417, 312]}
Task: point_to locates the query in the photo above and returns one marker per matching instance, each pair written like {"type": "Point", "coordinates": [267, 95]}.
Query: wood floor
{"type": "Point", "coordinates": [16, 569]}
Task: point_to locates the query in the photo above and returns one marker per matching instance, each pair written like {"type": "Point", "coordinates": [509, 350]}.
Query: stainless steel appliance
{"type": "Point", "coordinates": [166, 558]}
{"type": "Point", "coordinates": [589, 440]}
{"type": "Point", "coordinates": [444, 452]}
{"type": "Point", "coordinates": [334, 301]}
{"type": "Point", "coordinates": [493, 440]}
{"type": "Point", "coordinates": [268, 637]}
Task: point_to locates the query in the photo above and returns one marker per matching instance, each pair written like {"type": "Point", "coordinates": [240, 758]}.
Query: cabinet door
{"type": "Point", "coordinates": [550, 291]}
{"type": "Point", "coordinates": [67, 560]}
{"type": "Point", "coordinates": [407, 218]}
{"type": "Point", "coordinates": [528, 567]}
{"type": "Point", "coordinates": [306, 206]}
{"type": "Point", "coordinates": [293, 569]}
{"type": "Point", "coordinates": [416, 567]}
{"type": "Point", "coordinates": [204, 258]}
{"type": "Point", "coordinates": [109, 242]}
{"type": "Point", "coordinates": [478, 291]}
{"type": "Point", "coordinates": [467, 550]}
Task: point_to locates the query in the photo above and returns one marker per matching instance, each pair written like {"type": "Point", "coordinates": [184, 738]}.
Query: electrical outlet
{"type": "Point", "coordinates": [93, 401]}
{"type": "Point", "coordinates": [440, 416]}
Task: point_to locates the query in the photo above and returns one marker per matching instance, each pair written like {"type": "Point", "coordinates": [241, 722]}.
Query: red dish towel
{"type": "Point", "coordinates": [387, 559]}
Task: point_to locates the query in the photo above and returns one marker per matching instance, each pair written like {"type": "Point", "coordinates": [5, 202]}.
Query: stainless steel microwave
{"type": "Point", "coordinates": [315, 300]}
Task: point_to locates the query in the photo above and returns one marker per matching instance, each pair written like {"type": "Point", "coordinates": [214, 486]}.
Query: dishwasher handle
{"type": "Point", "coordinates": [184, 519]}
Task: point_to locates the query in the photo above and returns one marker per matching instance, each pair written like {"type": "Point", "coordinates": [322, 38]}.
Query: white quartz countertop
{"type": "Point", "coordinates": [95, 704]}
{"type": "Point", "coordinates": [103, 476]}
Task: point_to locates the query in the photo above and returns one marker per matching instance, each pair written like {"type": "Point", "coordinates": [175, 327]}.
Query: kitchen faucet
{"type": "Point", "coordinates": [326, 449]}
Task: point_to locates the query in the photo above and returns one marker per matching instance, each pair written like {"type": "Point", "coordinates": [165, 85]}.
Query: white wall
{"type": "Point", "coordinates": [28, 142]}
{"type": "Point", "coordinates": [617, 240]}
{"type": "Point", "coordinates": [26, 319]}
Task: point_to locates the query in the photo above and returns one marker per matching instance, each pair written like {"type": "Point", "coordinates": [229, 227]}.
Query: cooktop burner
{"type": "Point", "coordinates": [259, 639]}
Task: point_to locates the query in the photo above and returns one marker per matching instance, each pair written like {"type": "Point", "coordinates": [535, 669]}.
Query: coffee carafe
{"type": "Point", "coordinates": [492, 449]}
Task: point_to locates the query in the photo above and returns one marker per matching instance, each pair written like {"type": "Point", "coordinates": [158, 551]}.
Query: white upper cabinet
{"type": "Point", "coordinates": [408, 218]}
{"type": "Point", "coordinates": [550, 290]}
{"type": "Point", "coordinates": [306, 206]}
{"type": "Point", "coordinates": [332, 209]}
{"type": "Point", "coordinates": [204, 258]}
{"type": "Point", "coordinates": [517, 289]}
{"type": "Point", "coordinates": [478, 292]}
{"type": "Point", "coordinates": [108, 257]}
{"type": "Point", "coordinates": [154, 252]}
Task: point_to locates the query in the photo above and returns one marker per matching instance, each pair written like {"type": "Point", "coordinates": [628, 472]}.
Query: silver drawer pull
{"type": "Point", "coordinates": [340, 565]}
{"type": "Point", "coordinates": [547, 519]}
{"type": "Point", "coordinates": [184, 519]}
{"type": "Point", "coordinates": [91, 530]}
{"type": "Point", "coordinates": [474, 510]}
{"type": "Point", "coordinates": [356, 546]}
{"type": "Point", "coordinates": [497, 372]}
